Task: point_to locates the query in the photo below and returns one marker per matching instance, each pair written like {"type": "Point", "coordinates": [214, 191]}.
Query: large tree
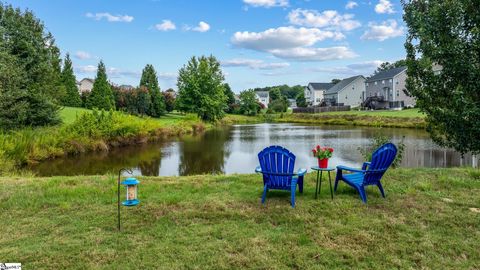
{"type": "Point", "coordinates": [72, 96]}
{"type": "Point", "coordinates": [443, 60]}
{"type": "Point", "coordinates": [248, 102]}
{"type": "Point", "coordinates": [230, 98]}
{"type": "Point", "coordinates": [201, 88]}
{"type": "Point", "coordinates": [29, 71]}
{"type": "Point", "coordinates": [149, 80]}
{"type": "Point", "coordinates": [101, 96]}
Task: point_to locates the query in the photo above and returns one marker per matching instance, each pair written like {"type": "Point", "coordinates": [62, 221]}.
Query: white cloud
{"type": "Point", "coordinates": [293, 43]}
{"type": "Point", "coordinates": [83, 55]}
{"type": "Point", "coordinates": [167, 76]}
{"type": "Point", "coordinates": [314, 54]}
{"type": "Point", "coordinates": [384, 6]}
{"type": "Point", "coordinates": [166, 25]}
{"type": "Point", "coordinates": [385, 30]}
{"type": "Point", "coordinates": [202, 27]}
{"type": "Point", "coordinates": [363, 68]}
{"type": "Point", "coordinates": [86, 69]}
{"type": "Point", "coordinates": [282, 38]}
{"type": "Point", "coordinates": [253, 64]}
{"type": "Point", "coordinates": [351, 5]}
{"type": "Point", "coordinates": [266, 3]}
{"type": "Point", "coordinates": [109, 17]}
{"type": "Point", "coordinates": [327, 18]}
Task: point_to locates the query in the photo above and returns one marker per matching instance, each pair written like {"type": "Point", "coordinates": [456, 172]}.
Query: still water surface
{"type": "Point", "coordinates": [234, 150]}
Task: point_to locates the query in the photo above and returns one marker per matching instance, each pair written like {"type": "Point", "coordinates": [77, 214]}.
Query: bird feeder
{"type": "Point", "coordinates": [131, 185]}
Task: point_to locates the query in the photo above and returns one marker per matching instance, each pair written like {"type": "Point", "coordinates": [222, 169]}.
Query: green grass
{"type": "Point", "coordinates": [383, 113]}
{"type": "Point", "coordinates": [69, 114]}
{"type": "Point", "coordinates": [217, 222]}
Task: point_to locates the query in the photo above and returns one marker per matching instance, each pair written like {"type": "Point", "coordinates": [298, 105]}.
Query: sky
{"type": "Point", "coordinates": [258, 42]}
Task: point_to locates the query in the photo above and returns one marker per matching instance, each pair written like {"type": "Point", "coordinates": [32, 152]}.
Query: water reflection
{"type": "Point", "coordinates": [234, 150]}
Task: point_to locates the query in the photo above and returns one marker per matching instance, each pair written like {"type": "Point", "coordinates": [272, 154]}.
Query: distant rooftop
{"type": "Point", "coordinates": [321, 86]}
{"type": "Point", "coordinates": [387, 74]}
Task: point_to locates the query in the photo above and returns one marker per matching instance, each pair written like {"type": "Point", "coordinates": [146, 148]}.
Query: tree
{"type": "Point", "coordinates": [443, 60]}
{"type": "Point", "coordinates": [149, 80]}
{"type": "Point", "coordinates": [301, 101]}
{"type": "Point", "coordinates": [387, 65]}
{"type": "Point", "coordinates": [29, 71]}
{"type": "Point", "coordinates": [248, 102]}
{"type": "Point", "coordinates": [275, 94]}
{"type": "Point", "coordinates": [335, 81]}
{"type": "Point", "coordinates": [201, 89]}
{"type": "Point", "coordinates": [144, 101]}
{"type": "Point", "coordinates": [230, 98]}
{"type": "Point", "coordinates": [278, 102]}
{"type": "Point", "coordinates": [101, 96]}
{"type": "Point", "coordinates": [169, 97]}
{"type": "Point", "coordinates": [72, 96]}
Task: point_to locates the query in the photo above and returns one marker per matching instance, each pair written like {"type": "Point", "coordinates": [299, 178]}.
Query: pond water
{"type": "Point", "coordinates": [234, 150]}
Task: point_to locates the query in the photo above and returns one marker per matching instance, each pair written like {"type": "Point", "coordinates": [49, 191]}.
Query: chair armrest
{"type": "Point", "coordinates": [301, 172]}
{"type": "Point", "coordinates": [365, 165]}
{"type": "Point", "coordinates": [258, 169]}
{"type": "Point", "coordinates": [345, 168]}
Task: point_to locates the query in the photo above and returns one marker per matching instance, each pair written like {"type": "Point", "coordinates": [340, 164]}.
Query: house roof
{"type": "Point", "coordinates": [341, 84]}
{"type": "Point", "coordinates": [387, 74]}
{"type": "Point", "coordinates": [88, 79]}
{"type": "Point", "coordinates": [321, 86]}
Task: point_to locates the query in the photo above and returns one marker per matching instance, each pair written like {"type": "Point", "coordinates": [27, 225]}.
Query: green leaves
{"type": "Point", "coordinates": [101, 96]}
{"type": "Point", "coordinates": [150, 81]}
{"type": "Point", "coordinates": [72, 97]}
{"type": "Point", "coordinates": [443, 59]}
{"type": "Point", "coordinates": [201, 89]}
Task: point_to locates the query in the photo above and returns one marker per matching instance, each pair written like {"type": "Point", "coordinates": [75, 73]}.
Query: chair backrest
{"type": "Point", "coordinates": [382, 158]}
{"type": "Point", "coordinates": [277, 160]}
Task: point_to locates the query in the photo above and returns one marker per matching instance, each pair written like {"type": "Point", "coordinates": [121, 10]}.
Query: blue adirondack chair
{"type": "Point", "coordinates": [371, 172]}
{"type": "Point", "coordinates": [276, 166]}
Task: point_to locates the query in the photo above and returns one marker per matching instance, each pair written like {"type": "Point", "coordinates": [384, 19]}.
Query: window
{"type": "Point", "coordinates": [396, 82]}
{"type": "Point", "coordinates": [383, 81]}
{"type": "Point", "coordinates": [398, 93]}
{"type": "Point", "coordinates": [375, 83]}
{"type": "Point", "coordinates": [366, 84]}
{"type": "Point", "coordinates": [391, 80]}
{"type": "Point", "coordinates": [346, 97]}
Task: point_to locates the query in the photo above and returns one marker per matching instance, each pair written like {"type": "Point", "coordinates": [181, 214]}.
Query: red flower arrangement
{"type": "Point", "coordinates": [322, 154]}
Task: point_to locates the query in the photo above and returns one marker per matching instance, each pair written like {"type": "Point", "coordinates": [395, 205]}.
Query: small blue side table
{"type": "Point", "coordinates": [318, 187]}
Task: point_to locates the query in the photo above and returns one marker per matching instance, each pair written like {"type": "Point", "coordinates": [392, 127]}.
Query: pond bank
{"type": "Point", "coordinates": [428, 220]}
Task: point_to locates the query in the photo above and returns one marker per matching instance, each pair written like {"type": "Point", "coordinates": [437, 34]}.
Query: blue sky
{"type": "Point", "coordinates": [259, 42]}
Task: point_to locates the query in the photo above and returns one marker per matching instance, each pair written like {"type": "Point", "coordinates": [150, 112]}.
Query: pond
{"type": "Point", "coordinates": [234, 150]}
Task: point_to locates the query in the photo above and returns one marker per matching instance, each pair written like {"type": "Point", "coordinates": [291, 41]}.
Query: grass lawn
{"type": "Point", "coordinates": [427, 221]}
{"type": "Point", "coordinates": [383, 113]}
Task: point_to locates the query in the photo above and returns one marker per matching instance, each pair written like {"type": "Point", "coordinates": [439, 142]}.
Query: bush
{"type": "Point", "coordinates": [379, 140]}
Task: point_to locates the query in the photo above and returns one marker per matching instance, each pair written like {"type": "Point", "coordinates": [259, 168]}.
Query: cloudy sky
{"type": "Point", "coordinates": [259, 42]}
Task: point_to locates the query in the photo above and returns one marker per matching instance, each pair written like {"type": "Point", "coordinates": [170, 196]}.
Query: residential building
{"type": "Point", "coordinates": [386, 90]}
{"type": "Point", "coordinates": [85, 85]}
{"type": "Point", "coordinates": [314, 93]}
{"type": "Point", "coordinates": [263, 97]}
{"type": "Point", "coordinates": [292, 103]}
{"type": "Point", "coordinates": [349, 92]}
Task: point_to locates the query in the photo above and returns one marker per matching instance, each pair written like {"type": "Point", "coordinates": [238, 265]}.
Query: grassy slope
{"type": "Point", "coordinates": [410, 118]}
{"type": "Point", "coordinates": [217, 222]}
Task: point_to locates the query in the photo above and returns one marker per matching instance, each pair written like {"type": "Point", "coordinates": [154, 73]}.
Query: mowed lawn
{"type": "Point", "coordinates": [429, 220]}
{"type": "Point", "coordinates": [384, 113]}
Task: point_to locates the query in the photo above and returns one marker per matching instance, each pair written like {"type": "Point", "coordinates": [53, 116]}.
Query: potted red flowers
{"type": "Point", "coordinates": [322, 154]}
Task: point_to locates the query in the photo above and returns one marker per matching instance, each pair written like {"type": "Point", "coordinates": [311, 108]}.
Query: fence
{"type": "Point", "coordinates": [321, 109]}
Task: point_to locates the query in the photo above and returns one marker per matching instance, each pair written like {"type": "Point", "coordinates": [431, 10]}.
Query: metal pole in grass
{"type": "Point", "coordinates": [118, 192]}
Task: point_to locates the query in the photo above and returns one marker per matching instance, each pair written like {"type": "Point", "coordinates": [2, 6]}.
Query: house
{"type": "Point", "coordinates": [349, 92]}
{"type": "Point", "coordinates": [314, 93]}
{"type": "Point", "coordinates": [263, 97]}
{"type": "Point", "coordinates": [85, 85]}
{"type": "Point", "coordinates": [386, 90]}
{"type": "Point", "coordinates": [292, 103]}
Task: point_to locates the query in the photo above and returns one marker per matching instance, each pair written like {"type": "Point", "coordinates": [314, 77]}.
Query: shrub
{"type": "Point", "coordinates": [378, 140]}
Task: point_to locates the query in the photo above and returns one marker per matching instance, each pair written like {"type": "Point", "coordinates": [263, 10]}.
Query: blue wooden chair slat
{"type": "Point", "coordinates": [277, 165]}
{"type": "Point", "coordinates": [371, 172]}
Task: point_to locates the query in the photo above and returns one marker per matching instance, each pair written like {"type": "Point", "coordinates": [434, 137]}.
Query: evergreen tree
{"type": "Point", "coordinates": [144, 102]}
{"type": "Point", "coordinates": [29, 71]}
{"type": "Point", "coordinates": [101, 96]}
{"type": "Point", "coordinates": [201, 88]}
{"type": "Point", "coordinates": [72, 97]}
{"type": "Point", "coordinates": [150, 81]}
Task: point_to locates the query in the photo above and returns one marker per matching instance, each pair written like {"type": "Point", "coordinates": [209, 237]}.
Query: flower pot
{"type": "Point", "coordinates": [323, 163]}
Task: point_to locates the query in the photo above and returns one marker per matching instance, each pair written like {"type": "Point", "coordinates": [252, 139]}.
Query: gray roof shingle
{"type": "Point", "coordinates": [342, 84]}
{"type": "Point", "coordinates": [387, 74]}
{"type": "Point", "coordinates": [321, 86]}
